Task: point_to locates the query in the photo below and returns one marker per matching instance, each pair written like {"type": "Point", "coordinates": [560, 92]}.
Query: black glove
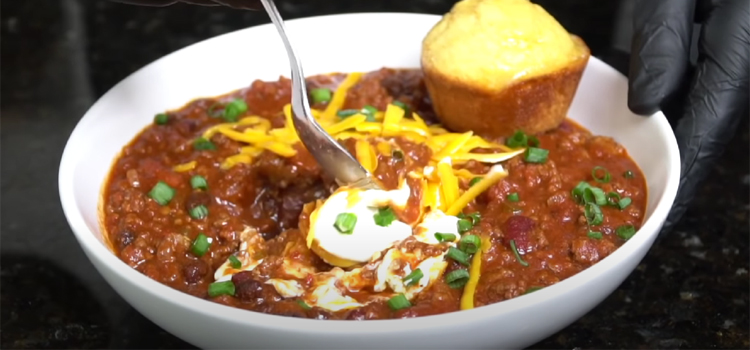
{"type": "Point", "coordinates": [240, 4]}
{"type": "Point", "coordinates": [711, 98]}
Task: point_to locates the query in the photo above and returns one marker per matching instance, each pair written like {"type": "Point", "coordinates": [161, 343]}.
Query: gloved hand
{"type": "Point", "coordinates": [711, 98]}
{"type": "Point", "coordinates": [240, 4]}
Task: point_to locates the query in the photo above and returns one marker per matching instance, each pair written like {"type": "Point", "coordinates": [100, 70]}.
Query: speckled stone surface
{"type": "Point", "coordinates": [59, 56]}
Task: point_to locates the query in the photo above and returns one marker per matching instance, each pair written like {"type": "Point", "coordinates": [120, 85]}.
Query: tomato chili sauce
{"type": "Point", "coordinates": [539, 207]}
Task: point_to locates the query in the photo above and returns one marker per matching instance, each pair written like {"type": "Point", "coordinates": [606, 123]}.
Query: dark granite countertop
{"type": "Point", "coordinates": [59, 56]}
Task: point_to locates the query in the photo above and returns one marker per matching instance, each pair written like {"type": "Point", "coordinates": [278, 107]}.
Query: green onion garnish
{"type": "Point", "coordinates": [346, 113]}
{"type": "Point", "coordinates": [464, 225]}
{"type": "Point", "coordinates": [475, 218]}
{"type": "Point", "coordinates": [469, 244]}
{"type": "Point", "coordinates": [397, 154]}
{"type": "Point", "coordinates": [594, 235]}
{"type": "Point", "coordinates": [459, 256]}
{"type": "Point", "coordinates": [234, 262]}
{"type": "Point", "coordinates": [518, 140]}
{"type": "Point", "coordinates": [628, 174]}
{"type": "Point", "coordinates": [517, 254]}
{"type": "Point", "coordinates": [457, 278]}
{"type": "Point", "coordinates": [613, 198]}
{"type": "Point", "coordinates": [200, 245]}
{"type": "Point", "coordinates": [513, 197]}
{"type": "Point", "coordinates": [593, 214]}
{"type": "Point", "coordinates": [578, 191]}
{"type": "Point", "coordinates": [594, 195]}
{"type": "Point", "coordinates": [203, 144]}
{"type": "Point", "coordinates": [345, 223]}
{"type": "Point", "coordinates": [536, 155]}
{"type": "Point", "coordinates": [199, 212]}
{"type": "Point", "coordinates": [445, 237]}
{"type": "Point", "coordinates": [413, 278]}
{"type": "Point", "coordinates": [198, 182]}
{"type": "Point", "coordinates": [400, 104]}
{"type": "Point", "coordinates": [384, 217]}
{"type": "Point", "coordinates": [321, 95]}
{"type": "Point", "coordinates": [162, 193]}
{"type": "Point", "coordinates": [303, 304]}
{"type": "Point", "coordinates": [604, 177]}
{"type": "Point", "coordinates": [220, 288]}
{"type": "Point", "coordinates": [623, 203]}
{"type": "Point", "coordinates": [532, 290]}
{"type": "Point", "coordinates": [625, 231]}
{"type": "Point", "coordinates": [369, 110]}
{"type": "Point", "coordinates": [234, 109]}
{"type": "Point", "coordinates": [475, 181]}
{"type": "Point", "coordinates": [398, 302]}
{"type": "Point", "coordinates": [161, 119]}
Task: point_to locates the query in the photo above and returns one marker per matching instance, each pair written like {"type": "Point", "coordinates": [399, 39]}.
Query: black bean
{"type": "Point", "coordinates": [124, 239]}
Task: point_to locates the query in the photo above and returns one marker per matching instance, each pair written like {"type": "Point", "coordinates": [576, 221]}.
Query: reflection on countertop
{"type": "Point", "coordinates": [690, 291]}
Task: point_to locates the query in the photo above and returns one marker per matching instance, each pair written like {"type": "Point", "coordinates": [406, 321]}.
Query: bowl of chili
{"type": "Point", "coordinates": [595, 192]}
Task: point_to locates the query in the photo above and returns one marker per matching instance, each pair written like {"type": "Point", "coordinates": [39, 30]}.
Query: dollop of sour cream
{"type": "Point", "coordinates": [367, 237]}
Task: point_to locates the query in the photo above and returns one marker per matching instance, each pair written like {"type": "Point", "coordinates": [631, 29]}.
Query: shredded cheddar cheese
{"type": "Point", "coordinates": [475, 272]}
{"type": "Point", "coordinates": [184, 167]}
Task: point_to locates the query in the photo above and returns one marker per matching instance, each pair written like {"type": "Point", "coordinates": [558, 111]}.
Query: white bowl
{"type": "Point", "coordinates": [357, 42]}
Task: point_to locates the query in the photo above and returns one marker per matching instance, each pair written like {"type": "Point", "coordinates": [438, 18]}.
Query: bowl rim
{"type": "Point", "coordinates": [98, 253]}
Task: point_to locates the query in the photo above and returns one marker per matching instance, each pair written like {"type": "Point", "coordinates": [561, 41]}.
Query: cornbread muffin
{"type": "Point", "coordinates": [497, 66]}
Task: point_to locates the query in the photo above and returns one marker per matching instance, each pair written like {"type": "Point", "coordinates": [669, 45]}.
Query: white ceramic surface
{"type": "Point", "coordinates": [233, 61]}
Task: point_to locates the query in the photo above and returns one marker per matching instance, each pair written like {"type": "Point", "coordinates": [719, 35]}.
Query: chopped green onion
{"type": "Point", "coordinates": [532, 290]}
{"type": "Point", "coordinates": [369, 109]}
{"type": "Point", "coordinates": [469, 244]}
{"type": "Point", "coordinates": [594, 235]}
{"type": "Point", "coordinates": [445, 237]}
{"type": "Point", "coordinates": [321, 95]}
{"type": "Point", "coordinates": [220, 288]}
{"type": "Point", "coordinates": [198, 182]}
{"type": "Point", "coordinates": [162, 193]}
{"type": "Point", "coordinates": [400, 104]}
{"type": "Point", "coordinates": [303, 304]}
{"type": "Point", "coordinates": [475, 181]}
{"type": "Point", "coordinates": [513, 197]}
{"type": "Point", "coordinates": [594, 195]}
{"type": "Point", "coordinates": [200, 245]}
{"type": "Point", "coordinates": [457, 278]}
{"type": "Point", "coordinates": [623, 203]}
{"type": "Point", "coordinates": [212, 112]}
{"type": "Point", "coordinates": [398, 302]}
{"type": "Point", "coordinates": [625, 232]}
{"type": "Point", "coordinates": [234, 109]}
{"type": "Point", "coordinates": [384, 217]}
{"type": "Point", "coordinates": [579, 190]}
{"type": "Point", "coordinates": [234, 262]}
{"type": "Point", "coordinates": [346, 113]}
{"type": "Point", "coordinates": [203, 144]}
{"type": "Point", "coordinates": [199, 212]}
{"type": "Point", "coordinates": [345, 223]}
{"type": "Point", "coordinates": [161, 119]}
{"type": "Point", "coordinates": [459, 256]}
{"type": "Point", "coordinates": [613, 198]}
{"type": "Point", "coordinates": [413, 278]}
{"type": "Point", "coordinates": [517, 254]}
{"type": "Point", "coordinates": [518, 140]}
{"type": "Point", "coordinates": [464, 225]}
{"type": "Point", "coordinates": [536, 155]}
{"type": "Point", "coordinates": [628, 174]}
{"type": "Point", "coordinates": [397, 154]}
{"type": "Point", "coordinates": [593, 214]}
{"type": "Point", "coordinates": [475, 218]}
{"type": "Point", "coordinates": [533, 141]}
{"type": "Point", "coordinates": [604, 178]}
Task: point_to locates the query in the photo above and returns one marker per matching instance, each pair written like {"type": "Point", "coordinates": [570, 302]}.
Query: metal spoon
{"type": "Point", "coordinates": [331, 156]}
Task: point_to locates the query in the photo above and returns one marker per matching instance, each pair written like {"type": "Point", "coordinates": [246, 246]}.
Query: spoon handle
{"type": "Point", "coordinates": [331, 155]}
